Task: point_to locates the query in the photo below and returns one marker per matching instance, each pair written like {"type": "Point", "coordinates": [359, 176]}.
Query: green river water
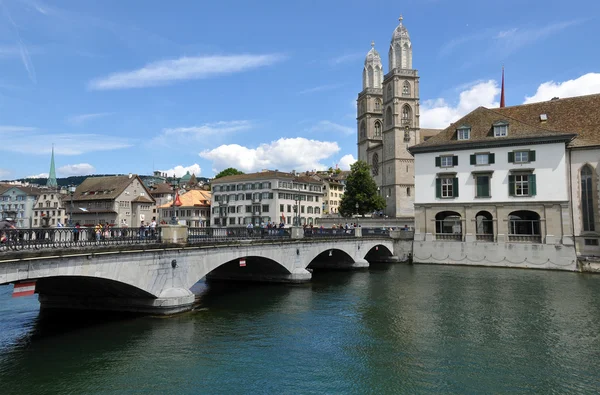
{"type": "Point", "coordinates": [394, 329]}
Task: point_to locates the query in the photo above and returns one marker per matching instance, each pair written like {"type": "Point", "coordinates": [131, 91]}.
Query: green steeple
{"type": "Point", "coordinates": [52, 175]}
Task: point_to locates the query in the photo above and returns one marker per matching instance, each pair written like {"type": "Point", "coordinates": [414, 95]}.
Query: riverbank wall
{"type": "Point", "coordinates": [515, 255]}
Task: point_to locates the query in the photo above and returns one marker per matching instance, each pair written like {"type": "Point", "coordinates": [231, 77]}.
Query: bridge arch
{"type": "Point", "coordinates": [331, 258]}
{"type": "Point", "coordinates": [87, 286]}
{"type": "Point", "coordinates": [378, 253]}
{"type": "Point", "coordinates": [253, 267]}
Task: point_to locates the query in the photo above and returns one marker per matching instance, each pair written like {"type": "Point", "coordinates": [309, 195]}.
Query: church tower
{"type": "Point", "coordinates": [51, 182]}
{"type": "Point", "coordinates": [400, 126]}
{"type": "Point", "coordinates": [369, 110]}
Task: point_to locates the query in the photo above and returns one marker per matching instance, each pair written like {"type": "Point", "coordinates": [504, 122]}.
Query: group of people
{"type": "Point", "coordinates": [5, 225]}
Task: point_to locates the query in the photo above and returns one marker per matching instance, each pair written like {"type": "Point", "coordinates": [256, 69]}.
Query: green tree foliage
{"type": "Point", "coordinates": [230, 171]}
{"type": "Point", "coordinates": [361, 189]}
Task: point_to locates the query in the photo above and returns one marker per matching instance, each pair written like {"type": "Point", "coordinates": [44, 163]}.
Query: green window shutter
{"type": "Point", "coordinates": [455, 186]}
{"type": "Point", "coordinates": [532, 156]}
{"type": "Point", "coordinates": [438, 161]}
{"type": "Point", "coordinates": [491, 158]}
{"type": "Point", "coordinates": [511, 157]}
{"type": "Point", "coordinates": [478, 186]}
{"type": "Point", "coordinates": [532, 186]}
{"type": "Point", "coordinates": [511, 185]}
{"type": "Point", "coordinates": [438, 188]}
{"type": "Point", "coordinates": [483, 186]}
{"type": "Point", "coordinates": [473, 160]}
{"type": "Point", "coordinates": [455, 160]}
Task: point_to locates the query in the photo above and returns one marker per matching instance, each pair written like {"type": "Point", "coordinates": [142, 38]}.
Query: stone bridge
{"type": "Point", "coordinates": [156, 278]}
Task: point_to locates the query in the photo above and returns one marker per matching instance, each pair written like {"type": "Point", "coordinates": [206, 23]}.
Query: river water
{"type": "Point", "coordinates": [393, 329]}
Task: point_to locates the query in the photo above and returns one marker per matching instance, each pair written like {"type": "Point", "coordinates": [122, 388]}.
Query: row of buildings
{"type": "Point", "coordinates": [130, 201]}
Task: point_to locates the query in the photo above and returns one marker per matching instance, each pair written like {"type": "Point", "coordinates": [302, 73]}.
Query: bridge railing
{"type": "Point", "coordinates": [328, 232]}
{"type": "Point", "coordinates": [212, 235]}
{"type": "Point", "coordinates": [375, 232]}
{"type": "Point", "coordinates": [43, 238]}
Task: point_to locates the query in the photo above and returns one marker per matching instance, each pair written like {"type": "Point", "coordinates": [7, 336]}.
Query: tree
{"type": "Point", "coordinates": [230, 171]}
{"type": "Point", "coordinates": [361, 189]}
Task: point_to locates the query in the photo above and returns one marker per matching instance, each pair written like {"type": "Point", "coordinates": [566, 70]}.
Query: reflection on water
{"type": "Point", "coordinates": [393, 329]}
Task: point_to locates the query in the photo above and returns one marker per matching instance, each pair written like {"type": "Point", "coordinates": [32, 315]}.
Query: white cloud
{"type": "Point", "coordinates": [41, 175]}
{"type": "Point", "coordinates": [185, 68]}
{"type": "Point", "coordinates": [80, 169]}
{"type": "Point", "coordinates": [438, 113]}
{"type": "Point", "coordinates": [584, 85]}
{"type": "Point", "coordinates": [180, 171]}
{"type": "Point", "coordinates": [82, 118]}
{"type": "Point", "coordinates": [199, 133]}
{"type": "Point", "coordinates": [64, 143]}
{"type": "Point", "coordinates": [328, 126]}
{"type": "Point", "coordinates": [284, 154]}
{"type": "Point", "coordinates": [320, 88]}
{"type": "Point", "coordinates": [346, 161]}
{"type": "Point", "coordinates": [16, 129]}
{"type": "Point", "coordinates": [515, 38]}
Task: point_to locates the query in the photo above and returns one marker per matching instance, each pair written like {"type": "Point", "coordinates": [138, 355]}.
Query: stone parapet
{"type": "Point", "coordinates": [174, 234]}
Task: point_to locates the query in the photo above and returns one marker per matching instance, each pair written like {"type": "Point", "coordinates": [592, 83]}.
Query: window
{"type": "Point", "coordinates": [406, 113]}
{"type": "Point", "coordinates": [408, 191]}
{"type": "Point", "coordinates": [406, 89]}
{"type": "Point", "coordinates": [375, 164]}
{"type": "Point", "coordinates": [463, 133]}
{"type": "Point", "coordinates": [482, 186]}
{"type": "Point", "coordinates": [500, 129]}
{"type": "Point", "coordinates": [265, 208]}
{"type": "Point", "coordinates": [407, 135]}
{"type": "Point", "coordinates": [446, 187]}
{"type": "Point", "coordinates": [521, 156]}
{"type": "Point", "coordinates": [522, 185]}
{"type": "Point", "coordinates": [377, 129]}
{"type": "Point", "coordinates": [591, 242]}
{"type": "Point", "coordinates": [587, 199]}
{"type": "Point", "coordinates": [289, 208]}
{"type": "Point", "coordinates": [363, 130]}
{"type": "Point", "coordinates": [389, 92]}
{"type": "Point", "coordinates": [482, 159]}
{"type": "Point", "coordinates": [446, 161]}
{"type": "Point", "coordinates": [388, 116]}
{"type": "Point", "coordinates": [377, 104]}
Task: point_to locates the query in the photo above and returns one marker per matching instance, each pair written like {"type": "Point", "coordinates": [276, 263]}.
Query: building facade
{"type": "Point", "coordinates": [191, 209]}
{"type": "Point", "coordinates": [115, 200]}
{"type": "Point", "coordinates": [268, 196]}
{"type": "Point", "coordinates": [334, 186]}
{"type": "Point", "coordinates": [17, 202]}
{"type": "Point", "coordinates": [388, 122]}
{"type": "Point", "coordinates": [50, 209]}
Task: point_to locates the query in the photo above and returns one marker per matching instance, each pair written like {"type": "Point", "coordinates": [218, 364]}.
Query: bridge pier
{"type": "Point", "coordinates": [171, 301]}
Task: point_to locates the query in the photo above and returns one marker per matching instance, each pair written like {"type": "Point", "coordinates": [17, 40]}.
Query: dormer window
{"type": "Point", "coordinates": [501, 129]}
{"type": "Point", "coordinates": [463, 133]}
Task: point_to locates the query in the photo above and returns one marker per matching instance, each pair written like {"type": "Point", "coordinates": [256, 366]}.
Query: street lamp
{"type": "Point", "coordinates": [356, 205]}
{"type": "Point", "coordinates": [175, 184]}
{"type": "Point", "coordinates": [71, 192]}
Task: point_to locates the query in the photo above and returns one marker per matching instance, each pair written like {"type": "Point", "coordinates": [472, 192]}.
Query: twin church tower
{"type": "Point", "coordinates": [388, 122]}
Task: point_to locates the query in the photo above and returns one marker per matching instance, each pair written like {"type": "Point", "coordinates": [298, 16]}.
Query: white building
{"type": "Point", "coordinates": [265, 196]}
{"type": "Point", "coordinates": [489, 177]}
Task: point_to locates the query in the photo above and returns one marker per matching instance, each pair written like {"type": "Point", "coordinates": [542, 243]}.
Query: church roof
{"type": "Point", "coordinates": [481, 122]}
{"type": "Point", "coordinates": [372, 56]}
{"type": "Point", "coordinates": [186, 178]}
{"type": "Point", "coordinates": [51, 182]}
{"type": "Point", "coordinates": [400, 31]}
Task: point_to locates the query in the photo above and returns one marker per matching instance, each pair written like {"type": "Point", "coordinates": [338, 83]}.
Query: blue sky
{"type": "Point", "coordinates": [136, 86]}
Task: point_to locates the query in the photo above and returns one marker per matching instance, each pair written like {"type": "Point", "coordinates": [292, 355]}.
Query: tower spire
{"type": "Point", "coordinates": [52, 174]}
{"type": "Point", "coordinates": [502, 103]}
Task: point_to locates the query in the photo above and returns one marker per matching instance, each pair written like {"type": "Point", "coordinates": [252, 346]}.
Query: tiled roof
{"type": "Point", "coordinates": [142, 199]}
{"type": "Point", "coordinates": [426, 134]}
{"type": "Point", "coordinates": [481, 121]}
{"type": "Point", "coordinates": [104, 188]}
{"type": "Point", "coordinates": [161, 188]}
{"type": "Point", "coordinates": [264, 175]}
{"type": "Point", "coordinates": [579, 115]}
{"type": "Point", "coordinates": [193, 198]}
